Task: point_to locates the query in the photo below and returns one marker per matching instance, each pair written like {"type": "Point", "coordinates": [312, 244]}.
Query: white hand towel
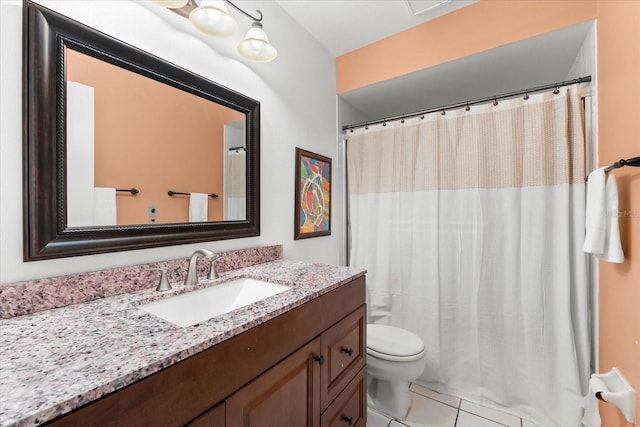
{"type": "Point", "coordinates": [104, 206]}
{"type": "Point", "coordinates": [612, 250]}
{"type": "Point", "coordinates": [198, 205]}
{"type": "Point", "coordinates": [602, 233]}
{"type": "Point", "coordinates": [596, 213]}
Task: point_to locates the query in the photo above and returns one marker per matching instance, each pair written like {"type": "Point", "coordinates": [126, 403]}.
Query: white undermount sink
{"type": "Point", "coordinates": [203, 304]}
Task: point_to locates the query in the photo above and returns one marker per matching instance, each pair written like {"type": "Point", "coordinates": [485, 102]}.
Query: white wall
{"type": "Point", "coordinates": [298, 107]}
{"type": "Point", "coordinates": [585, 64]}
{"type": "Point", "coordinates": [585, 61]}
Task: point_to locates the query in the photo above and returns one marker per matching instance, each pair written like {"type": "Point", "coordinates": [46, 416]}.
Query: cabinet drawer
{"type": "Point", "coordinates": [344, 351]}
{"type": "Point", "coordinates": [349, 408]}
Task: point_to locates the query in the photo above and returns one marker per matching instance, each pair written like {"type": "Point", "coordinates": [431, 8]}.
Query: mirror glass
{"type": "Point", "coordinates": [130, 140]}
{"type": "Point", "coordinates": [124, 150]}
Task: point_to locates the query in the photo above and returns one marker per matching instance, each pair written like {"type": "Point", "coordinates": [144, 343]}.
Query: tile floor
{"type": "Point", "coordinates": [431, 409]}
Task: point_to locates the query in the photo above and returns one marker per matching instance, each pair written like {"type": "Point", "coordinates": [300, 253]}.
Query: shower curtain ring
{"type": "Point", "coordinates": [526, 96]}
{"type": "Point", "coordinates": [495, 102]}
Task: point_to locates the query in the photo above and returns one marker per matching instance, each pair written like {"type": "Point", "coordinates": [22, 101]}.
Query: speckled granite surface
{"type": "Point", "coordinates": [54, 361]}
{"type": "Point", "coordinates": [17, 299]}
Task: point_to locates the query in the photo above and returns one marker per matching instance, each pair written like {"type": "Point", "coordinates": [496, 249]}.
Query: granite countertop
{"type": "Point", "coordinates": [55, 361]}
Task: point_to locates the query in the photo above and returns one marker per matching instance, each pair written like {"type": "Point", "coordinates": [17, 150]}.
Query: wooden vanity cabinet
{"type": "Point", "coordinates": [305, 367]}
{"type": "Point", "coordinates": [327, 376]}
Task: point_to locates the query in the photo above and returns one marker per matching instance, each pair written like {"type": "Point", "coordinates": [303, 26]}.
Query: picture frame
{"type": "Point", "coordinates": [313, 195]}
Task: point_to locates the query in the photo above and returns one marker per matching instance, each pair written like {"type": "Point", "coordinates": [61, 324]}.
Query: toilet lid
{"type": "Point", "coordinates": [391, 343]}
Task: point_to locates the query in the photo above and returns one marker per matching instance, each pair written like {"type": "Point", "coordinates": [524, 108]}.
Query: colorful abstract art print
{"type": "Point", "coordinates": [313, 195]}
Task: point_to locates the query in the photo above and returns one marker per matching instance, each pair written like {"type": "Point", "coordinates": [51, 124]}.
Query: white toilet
{"type": "Point", "coordinates": [395, 357]}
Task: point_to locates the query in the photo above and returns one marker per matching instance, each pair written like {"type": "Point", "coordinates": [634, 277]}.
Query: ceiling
{"type": "Point", "coordinates": [344, 25]}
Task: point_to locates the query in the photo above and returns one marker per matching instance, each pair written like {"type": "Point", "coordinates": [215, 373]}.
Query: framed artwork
{"type": "Point", "coordinates": [313, 195]}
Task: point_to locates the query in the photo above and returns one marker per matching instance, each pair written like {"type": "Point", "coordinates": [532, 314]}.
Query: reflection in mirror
{"type": "Point", "coordinates": [129, 131]}
{"type": "Point", "coordinates": [84, 141]}
{"type": "Point", "coordinates": [235, 203]}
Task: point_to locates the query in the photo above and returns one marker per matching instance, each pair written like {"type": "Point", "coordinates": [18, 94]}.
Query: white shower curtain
{"type": "Point", "coordinates": [469, 225]}
{"type": "Point", "coordinates": [235, 194]}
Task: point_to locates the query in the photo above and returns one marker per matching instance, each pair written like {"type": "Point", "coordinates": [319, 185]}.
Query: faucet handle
{"type": "Point", "coordinates": [213, 273]}
{"type": "Point", "coordinates": [164, 284]}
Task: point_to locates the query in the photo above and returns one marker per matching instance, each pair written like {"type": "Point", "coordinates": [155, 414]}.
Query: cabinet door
{"type": "Point", "coordinates": [344, 350]}
{"type": "Point", "coordinates": [214, 417]}
{"type": "Point", "coordinates": [286, 395]}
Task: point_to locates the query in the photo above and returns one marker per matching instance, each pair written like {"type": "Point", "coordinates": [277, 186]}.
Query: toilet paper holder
{"type": "Point", "coordinates": [612, 387]}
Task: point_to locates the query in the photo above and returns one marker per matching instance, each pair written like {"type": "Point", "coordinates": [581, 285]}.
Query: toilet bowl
{"type": "Point", "coordinates": [395, 357]}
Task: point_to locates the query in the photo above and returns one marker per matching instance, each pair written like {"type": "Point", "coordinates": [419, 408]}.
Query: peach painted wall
{"type": "Point", "coordinates": [619, 137]}
{"type": "Point", "coordinates": [481, 26]}
{"type": "Point", "coordinates": [161, 139]}
{"type": "Point", "coordinates": [492, 23]}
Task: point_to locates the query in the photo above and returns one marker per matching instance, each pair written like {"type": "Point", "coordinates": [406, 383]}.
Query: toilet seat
{"type": "Point", "coordinates": [393, 344]}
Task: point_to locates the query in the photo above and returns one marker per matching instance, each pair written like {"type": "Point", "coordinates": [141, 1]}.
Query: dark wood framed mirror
{"type": "Point", "coordinates": [50, 42]}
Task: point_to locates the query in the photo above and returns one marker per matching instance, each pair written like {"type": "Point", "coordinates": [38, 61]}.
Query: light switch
{"type": "Point", "coordinates": [153, 210]}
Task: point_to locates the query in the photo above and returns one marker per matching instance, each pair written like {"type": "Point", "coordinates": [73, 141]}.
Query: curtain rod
{"type": "Point", "coordinates": [469, 103]}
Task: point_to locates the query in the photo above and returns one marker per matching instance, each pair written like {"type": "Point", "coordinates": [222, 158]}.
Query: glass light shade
{"type": "Point", "coordinates": [172, 4]}
{"type": "Point", "coordinates": [212, 18]}
{"type": "Point", "coordinates": [256, 46]}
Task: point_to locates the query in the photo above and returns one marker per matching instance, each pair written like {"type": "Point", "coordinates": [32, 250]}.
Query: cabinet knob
{"type": "Point", "coordinates": [318, 358]}
{"type": "Point", "coordinates": [348, 420]}
{"type": "Point", "coordinates": [349, 351]}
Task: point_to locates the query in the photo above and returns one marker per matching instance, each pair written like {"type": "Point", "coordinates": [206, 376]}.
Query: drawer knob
{"type": "Point", "coordinates": [318, 358]}
{"type": "Point", "coordinates": [348, 351]}
{"type": "Point", "coordinates": [348, 420]}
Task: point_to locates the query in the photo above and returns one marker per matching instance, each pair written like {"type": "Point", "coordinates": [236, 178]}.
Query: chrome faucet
{"type": "Point", "coordinates": [192, 273]}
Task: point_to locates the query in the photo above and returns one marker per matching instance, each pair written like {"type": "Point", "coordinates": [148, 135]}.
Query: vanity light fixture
{"type": "Point", "coordinates": [212, 17]}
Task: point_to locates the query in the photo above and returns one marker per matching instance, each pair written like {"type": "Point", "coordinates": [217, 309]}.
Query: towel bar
{"type": "Point", "coordinates": [634, 161]}
{"type": "Point", "coordinates": [173, 193]}
{"type": "Point", "coordinates": [128, 190]}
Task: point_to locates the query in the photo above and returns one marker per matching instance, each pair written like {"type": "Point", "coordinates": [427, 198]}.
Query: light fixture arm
{"type": "Point", "coordinates": [245, 13]}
